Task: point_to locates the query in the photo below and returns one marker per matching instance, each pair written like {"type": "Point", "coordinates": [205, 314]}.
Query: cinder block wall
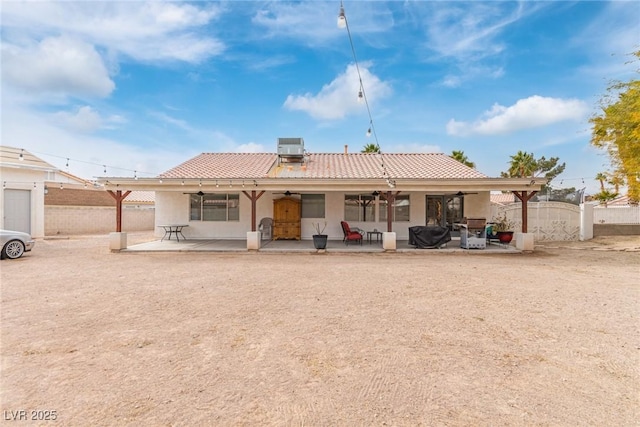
{"type": "Point", "coordinates": [78, 220]}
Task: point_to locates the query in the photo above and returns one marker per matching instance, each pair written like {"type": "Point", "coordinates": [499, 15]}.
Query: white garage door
{"type": "Point", "coordinates": [17, 210]}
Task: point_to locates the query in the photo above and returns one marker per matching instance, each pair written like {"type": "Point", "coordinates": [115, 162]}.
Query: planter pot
{"type": "Point", "coordinates": [505, 236]}
{"type": "Point", "coordinates": [320, 241]}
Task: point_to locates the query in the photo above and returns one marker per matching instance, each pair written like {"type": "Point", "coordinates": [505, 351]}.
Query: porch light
{"type": "Point", "coordinates": [342, 19]}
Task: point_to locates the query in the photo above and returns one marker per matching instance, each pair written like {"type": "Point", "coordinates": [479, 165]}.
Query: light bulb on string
{"type": "Point", "coordinates": [21, 156]}
{"type": "Point", "coordinates": [360, 97]}
{"type": "Point", "coordinates": [368, 132]}
{"type": "Point", "coordinates": [342, 19]}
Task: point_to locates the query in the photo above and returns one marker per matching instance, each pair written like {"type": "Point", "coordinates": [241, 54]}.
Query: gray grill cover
{"type": "Point", "coordinates": [432, 236]}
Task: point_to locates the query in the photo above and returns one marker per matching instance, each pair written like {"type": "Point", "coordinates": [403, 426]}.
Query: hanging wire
{"type": "Point", "coordinates": [362, 95]}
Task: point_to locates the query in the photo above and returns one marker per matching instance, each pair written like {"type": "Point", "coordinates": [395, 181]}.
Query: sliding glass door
{"type": "Point", "coordinates": [445, 211]}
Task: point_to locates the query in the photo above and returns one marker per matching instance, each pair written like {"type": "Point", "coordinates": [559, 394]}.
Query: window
{"type": "Point", "coordinates": [359, 207]}
{"type": "Point", "coordinates": [400, 208]}
{"type": "Point", "coordinates": [214, 207]}
{"type": "Point", "coordinates": [312, 205]}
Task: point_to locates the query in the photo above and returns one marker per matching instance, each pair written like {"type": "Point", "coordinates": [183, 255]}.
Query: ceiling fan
{"type": "Point", "coordinates": [460, 193]}
{"type": "Point", "coordinates": [287, 193]}
{"type": "Point", "coordinates": [199, 193]}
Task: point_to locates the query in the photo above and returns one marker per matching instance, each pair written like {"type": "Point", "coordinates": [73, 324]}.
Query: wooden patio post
{"type": "Point", "coordinates": [524, 198]}
{"type": "Point", "coordinates": [390, 198]}
{"type": "Point", "coordinates": [119, 198]}
{"type": "Point", "coordinates": [253, 197]}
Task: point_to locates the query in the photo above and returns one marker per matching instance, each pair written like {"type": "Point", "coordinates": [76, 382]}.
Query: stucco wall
{"type": "Point", "coordinates": [548, 221]}
{"type": "Point", "coordinates": [30, 180]}
{"type": "Point", "coordinates": [173, 208]}
{"type": "Point", "coordinates": [76, 220]}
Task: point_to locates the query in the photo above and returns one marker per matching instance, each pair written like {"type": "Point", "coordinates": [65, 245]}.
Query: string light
{"type": "Point", "coordinates": [217, 185]}
{"type": "Point", "coordinates": [362, 94]}
{"type": "Point", "coordinates": [67, 163]}
{"type": "Point", "coordinates": [21, 156]}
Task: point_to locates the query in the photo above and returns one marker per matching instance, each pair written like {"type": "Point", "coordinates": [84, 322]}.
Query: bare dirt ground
{"type": "Point", "coordinates": [549, 338]}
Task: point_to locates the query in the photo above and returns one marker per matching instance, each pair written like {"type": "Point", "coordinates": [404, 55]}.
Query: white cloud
{"type": "Point", "coordinates": [532, 112]}
{"type": "Point", "coordinates": [57, 65]}
{"type": "Point", "coordinates": [250, 147]}
{"type": "Point", "coordinates": [85, 119]}
{"type": "Point", "coordinates": [146, 31]}
{"type": "Point", "coordinates": [340, 97]}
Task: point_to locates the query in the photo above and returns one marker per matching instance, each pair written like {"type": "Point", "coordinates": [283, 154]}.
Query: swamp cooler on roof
{"type": "Point", "coordinates": [290, 147]}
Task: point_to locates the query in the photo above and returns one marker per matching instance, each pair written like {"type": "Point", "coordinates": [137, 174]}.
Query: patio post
{"type": "Point", "coordinates": [253, 197]}
{"type": "Point", "coordinates": [119, 197]}
{"type": "Point", "coordinates": [524, 198]}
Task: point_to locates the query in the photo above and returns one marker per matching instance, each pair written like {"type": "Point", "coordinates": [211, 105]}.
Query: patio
{"type": "Point", "coordinates": [303, 246]}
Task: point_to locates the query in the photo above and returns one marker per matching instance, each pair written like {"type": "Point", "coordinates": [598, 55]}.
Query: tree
{"type": "Point", "coordinates": [525, 165]}
{"type": "Point", "coordinates": [462, 158]}
{"type": "Point", "coordinates": [602, 178]}
{"type": "Point", "coordinates": [617, 130]}
{"type": "Point", "coordinates": [371, 148]}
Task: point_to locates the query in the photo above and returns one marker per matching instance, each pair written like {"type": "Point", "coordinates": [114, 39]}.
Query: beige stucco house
{"type": "Point", "coordinates": [225, 195]}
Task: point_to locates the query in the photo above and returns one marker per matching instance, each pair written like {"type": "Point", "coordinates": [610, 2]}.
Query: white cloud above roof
{"type": "Point", "coordinates": [535, 111]}
{"type": "Point", "coordinates": [339, 98]}
{"type": "Point", "coordinates": [147, 31]}
{"type": "Point", "coordinates": [62, 65]}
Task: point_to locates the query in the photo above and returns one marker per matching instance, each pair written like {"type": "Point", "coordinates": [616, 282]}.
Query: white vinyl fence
{"type": "Point", "coordinates": [616, 215]}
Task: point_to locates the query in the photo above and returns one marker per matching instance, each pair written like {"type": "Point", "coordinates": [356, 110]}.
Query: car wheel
{"type": "Point", "coordinates": [13, 249]}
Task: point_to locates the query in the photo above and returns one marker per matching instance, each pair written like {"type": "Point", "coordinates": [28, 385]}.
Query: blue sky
{"type": "Point", "coordinates": [145, 86]}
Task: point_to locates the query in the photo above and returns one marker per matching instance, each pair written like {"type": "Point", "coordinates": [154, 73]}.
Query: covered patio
{"type": "Point", "coordinates": [305, 246]}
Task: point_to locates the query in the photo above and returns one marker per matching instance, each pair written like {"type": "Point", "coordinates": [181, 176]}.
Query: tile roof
{"type": "Point", "coordinates": [323, 166]}
{"type": "Point", "coordinates": [10, 156]}
{"type": "Point", "coordinates": [224, 166]}
{"type": "Point", "coordinates": [147, 197]}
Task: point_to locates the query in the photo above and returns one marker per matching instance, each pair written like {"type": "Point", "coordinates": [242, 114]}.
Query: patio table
{"type": "Point", "coordinates": [170, 229]}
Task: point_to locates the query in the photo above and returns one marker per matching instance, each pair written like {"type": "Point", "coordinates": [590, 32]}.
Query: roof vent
{"type": "Point", "coordinates": [291, 149]}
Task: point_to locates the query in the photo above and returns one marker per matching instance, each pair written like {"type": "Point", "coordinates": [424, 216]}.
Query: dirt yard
{"type": "Point", "coordinates": [93, 338]}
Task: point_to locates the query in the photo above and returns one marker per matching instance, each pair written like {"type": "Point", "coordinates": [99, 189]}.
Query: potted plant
{"type": "Point", "coordinates": [502, 228]}
{"type": "Point", "coordinates": [320, 239]}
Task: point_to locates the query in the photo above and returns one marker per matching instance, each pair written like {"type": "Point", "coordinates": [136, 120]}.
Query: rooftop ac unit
{"type": "Point", "coordinates": [290, 147]}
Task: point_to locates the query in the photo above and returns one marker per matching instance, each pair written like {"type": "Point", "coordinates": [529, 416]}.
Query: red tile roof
{"type": "Point", "coordinates": [323, 166]}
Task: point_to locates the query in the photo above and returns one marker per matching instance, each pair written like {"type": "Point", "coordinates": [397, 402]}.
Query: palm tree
{"type": "Point", "coordinates": [371, 148]}
{"type": "Point", "coordinates": [616, 180]}
{"type": "Point", "coordinates": [522, 165]}
{"type": "Point", "coordinates": [602, 178]}
{"type": "Point", "coordinates": [460, 157]}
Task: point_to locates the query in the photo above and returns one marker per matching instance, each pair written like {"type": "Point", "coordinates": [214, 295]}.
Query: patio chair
{"type": "Point", "coordinates": [266, 227]}
{"type": "Point", "coordinates": [350, 235]}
